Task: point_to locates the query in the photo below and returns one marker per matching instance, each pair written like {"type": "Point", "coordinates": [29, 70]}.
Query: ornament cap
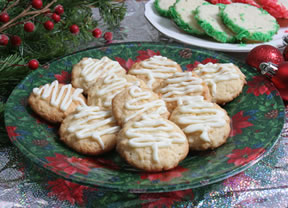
{"type": "Point", "coordinates": [268, 69]}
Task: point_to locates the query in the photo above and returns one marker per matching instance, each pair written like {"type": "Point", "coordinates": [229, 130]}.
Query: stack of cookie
{"type": "Point", "coordinates": [153, 115]}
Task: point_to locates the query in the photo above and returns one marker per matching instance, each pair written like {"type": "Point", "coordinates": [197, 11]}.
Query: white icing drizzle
{"type": "Point", "coordinates": [213, 73]}
{"type": "Point", "coordinates": [156, 67]}
{"type": "Point", "coordinates": [94, 69]}
{"type": "Point", "coordinates": [89, 122]}
{"type": "Point", "coordinates": [204, 117]}
{"type": "Point", "coordinates": [179, 85]}
{"type": "Point", "coordinates": [150, 132]}
{"type": "Point", "coordinates": [139, 95]}
{"type": "Point", "coordinates": [56, 98]}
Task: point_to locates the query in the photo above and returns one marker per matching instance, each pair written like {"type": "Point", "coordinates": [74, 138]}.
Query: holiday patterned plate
{"type": "Point", "coordinates": [257, 119]}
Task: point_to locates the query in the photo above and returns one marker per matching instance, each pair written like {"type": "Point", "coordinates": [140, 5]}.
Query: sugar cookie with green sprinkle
{"type": "Point", "coordinates": [182, 12]}
{"type": "Point", "coordinates": [249, 22]}
{"type": "Point", "coordinates": [207, 16]}
{"type": "Point", "coordinates": [162, 6]}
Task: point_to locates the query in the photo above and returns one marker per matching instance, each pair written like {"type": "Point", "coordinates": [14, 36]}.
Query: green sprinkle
{"type": "Point", "coordinates": [242, 16]}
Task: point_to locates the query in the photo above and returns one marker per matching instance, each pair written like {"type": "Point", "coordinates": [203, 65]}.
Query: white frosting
{"type": "Point", "coordinates": [137, 96]}
{"type": "Point", "coordinates": [56, 98]}
{"type": "Point", "coordinates": [153, 133]}
{"type": "Point", "coordinates": [90, 122]}
{"type": "Point", "coordinates": [214, 73]}
{"type": "Point", "coordinates": [156, 67]}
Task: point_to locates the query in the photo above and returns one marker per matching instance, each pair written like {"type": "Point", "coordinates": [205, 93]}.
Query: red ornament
{"type": "Point", "coordinates": [59, 9]}
{"type": "Point", "coordinates": [56, 17]}
{"type": "Point", "coordinates": [37, 4]}
{"type": "Point", "coordinates": [74, 29]}
{"type": "Point", "coordinates": [108, 36]}
{"type": "Point", "coordinates": [97, 33]}
{"type": "Point", "coordinates": [16, 40]}
{"type": "Point", "coordinates": [29, 27]}
{"type": "Point", "coordinates": [4, 17]}
{"type": "Point", "coordinates": [264, 53]}
{"type": "Point", "coordinates": [33, 64]}
{"type": "Point", "coordinates": [49, 25]}
{"type": "Point", "coordinates": [4, 39]}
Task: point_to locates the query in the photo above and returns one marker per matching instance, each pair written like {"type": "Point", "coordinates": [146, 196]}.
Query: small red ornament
{"type": "Point", "coordinates": [16, 40]}
{"type": "Point", "coordinates": [37, 4]}
{"type": "Point", "coordinates": [29, 26]}
{"type": "Point", "coordinates": [4, 17]}
{"type": "Point", "coordinates": [74, 29]}
{"type": "Point", "coordinates": [56, 17]}
{"type": "Point", "coordinates": [4, 39]}
{"type": "Point", "coordinates": [97, 33]}
{"type": "Point", "coordinates": [59, 9]}
{"type": "Point", "coordinates": [33, 64]}
{"type": "Point", "coordinates": [108, 36]}
{"type": "Point", "coordinates": [49, 25]}
{"type": "Point", "coordinates": [264, 53]}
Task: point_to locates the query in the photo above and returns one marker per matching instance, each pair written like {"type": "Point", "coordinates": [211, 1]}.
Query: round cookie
{"type": "Point", "coordinates": [105, 89]}
{"type": "Point", "coordinates": [162, 6]}
{"type": "Point", "coordinates": [249, 22]}
{"type": "Point", "coordinates": [89, 130]}
{"type": "Point", "coordinates": [55, 101]}
{"type": "Point", "coordinates": [152, 143]}
{"type": "Point", "coordinates": [181, 86]}
{"type": "Point", "coordinates": [207, 16]}
{"type": "Point", "coordinates": [225, 81]}
{"type": "Point", "coordinates": [206, 124]}
{"type": "Point", "coordinates": [88, 71]}
{"type": "Point", "coordinates": [134, 101]}
{"type": "Point", "coordinates": [154, 70]}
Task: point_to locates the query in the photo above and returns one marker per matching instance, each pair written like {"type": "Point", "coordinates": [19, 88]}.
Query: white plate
{"type": "Point", "coordinates": [168, 28]}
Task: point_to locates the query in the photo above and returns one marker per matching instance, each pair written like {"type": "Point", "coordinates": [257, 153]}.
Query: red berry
{"type": "Point", "coordinates": [74, 29]}
{"type": "Point", "coordinates": [29, 27]}
{"type": "Point", "coordinates": [4, 39]}
{"type": "Point", "coordinates": [97, 33]}
{"type": "Point", "coordinates": [59, 9]}
{"type": "Point", "coordinates": [49, 25]}
{"type": "Point", "coordinates": [33, 64]}
{"type": "Point", "coordinates": [16, 40]}
{"type": "Point", "coordinates": [37, 4]}
{"type": "Point", "coordinates": [4, 17]}
{"type": "Point", "coordinates": [108, 36]}
{"type": "Point", "coordinates": [56, 17]}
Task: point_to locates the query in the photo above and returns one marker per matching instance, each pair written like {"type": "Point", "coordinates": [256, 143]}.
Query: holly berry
{"type": "Point", "coordinates": [108, 36]}
{"type": "Point", "coordinates": [29, 26]}
{"type": "Point", "coordinates": [74, 29]}
{"type": "Point", "coordinates": [59, 9]}
{"type": "Point", "coordinates": [16, 40]}
{"type": "Point", "coordinates": [4, 17]}
{"type": "Point", "coordinates": [56, 17]}
{"type": "Point", "coordinates": [37, 4]}
{"type": "Point", "coordinates": [49, 25]}
{"type": "Point", "coordinates": [4, 39]}
{"type": "Point", "coordinates": [33, 64]}
{"type": "Point", "coordinates": [97, 33]}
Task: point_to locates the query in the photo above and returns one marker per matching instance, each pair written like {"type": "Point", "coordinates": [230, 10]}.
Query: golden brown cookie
{"type": "Point", "coordinates": [89, 70]}
{"type": "Point", "coordinates": [89, 130]}
{"type": "Point", "coordinates": [154, 70]}
{"type": "Point", "coordinates": [134, 101]}
{"type": "Point", "coordinates": [181, 86]}
{"type": "Point", "coordinates": [225, 81]}
{"type": "Point", "coordinates": [55, 101]}
{"type": "Point", "coordinates": [206, 124]}
{"type": "Point", "coordinates": [152, 143]}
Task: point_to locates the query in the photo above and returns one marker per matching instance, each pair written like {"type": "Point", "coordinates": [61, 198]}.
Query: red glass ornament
{"type": "Point", "coordinates": [16, 40]}
{"type": "Point", "coordinates": [33, 64]}
{"type": "Point", "coordinates": [108, 36]}
{"type": "Point", "coordinates": [4, 40]}
{"type": "Point", "coordinates": [49, 25]}
{"type": "Point", "coordinates": [285, 53]}
{"type": "Point", "coordinates": [264, 53]}
{"type": "Point", "coordinates": [97, 33]}
{"type": "Point", "coordinates": [56, 17]}
{"type": "Point", "coordinates": [37, 4]}
{"type": "Point", "coordinates": [4, 17]}
{"type": "Point", "coordinates": [74, 29]}
{"type": "Point", "coordinates": [59, 9]}
{"type": "Point", "coordinates": [29, 27]}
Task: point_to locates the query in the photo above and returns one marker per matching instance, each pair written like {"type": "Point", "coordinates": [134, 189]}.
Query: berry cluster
{"type": "Point", "coordinates": [97, 33]}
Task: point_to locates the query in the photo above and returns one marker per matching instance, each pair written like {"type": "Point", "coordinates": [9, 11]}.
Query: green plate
{"type": "Point", "coordinates": [257, 119]}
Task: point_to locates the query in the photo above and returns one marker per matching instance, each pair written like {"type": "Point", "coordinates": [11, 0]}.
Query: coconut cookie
{"type": "Point", "coordinates": [225, 81]}
{"type": "Point", "coordinates": [208, 18]}
{"type": "Point", "coordinates": [249, 22]}
{"type": "Point", "coordinates": [162, 7]}
{"type": "Point", "coordinates": [206, 125]}
{"type": "Point", "coordinates": [89, 130]}
{"type": "Point", "coordinates": [105, 89]}
{"type": "Point", "coordinates": [55, 101]}
{"type": "Point", "coordinates": [152, 144]}
{"type": "Point", "coordinates": [154, 70]}
{"type": "Point", "coordinates": [88, 71]}
{"type": "Point", "coordinates": [183, 15]}
{"type": "Point", "coordinates": [181, 86]}
{"type": "Point", "coordinates": [134, 101]}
